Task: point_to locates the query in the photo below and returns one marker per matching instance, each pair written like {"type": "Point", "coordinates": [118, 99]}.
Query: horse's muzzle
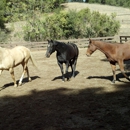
{"type": "Point", "coordinates": [48, 55]}
{"type": "Point", "coordinates": [88, 54]}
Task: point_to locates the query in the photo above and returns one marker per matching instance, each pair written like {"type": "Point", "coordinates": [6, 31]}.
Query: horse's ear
{"type": "Point", "coordinates": [51, 40]}
{"type": "Point", "coordinates": [48, 40]}
{"type": "Point", "coordinates": [90, 40]}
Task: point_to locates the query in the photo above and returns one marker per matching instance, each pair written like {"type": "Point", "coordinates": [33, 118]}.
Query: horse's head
{"type": "Point", "coordinates": [91, 48]}
{"type": "Point", "coordinates": [50, 48]}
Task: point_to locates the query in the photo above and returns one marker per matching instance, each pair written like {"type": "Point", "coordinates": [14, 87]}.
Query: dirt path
{"type": "Point", "coordinates": [88, 102]}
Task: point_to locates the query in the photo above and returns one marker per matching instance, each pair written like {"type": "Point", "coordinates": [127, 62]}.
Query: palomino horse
{"type": "Point", "coordinates": [10, 58]}
{"type": "Point", "coordinates": [66, 53]}
{"type": "Point", "coordinates": [115, 53]}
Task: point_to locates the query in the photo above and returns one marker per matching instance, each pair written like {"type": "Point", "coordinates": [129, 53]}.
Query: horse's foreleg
{"type": "Point", "coordinates": [71, 64]}
{"type": "Point", "coordinates": [67, 66]}
{"type": "Point", "coordinates": [121, 65]}
{"type": "Point", "coordinates": [62, 70]}
{"type": "Point", "coordinates": [113, 66]}
{"type": "Point", "coordinates": [13, 77]}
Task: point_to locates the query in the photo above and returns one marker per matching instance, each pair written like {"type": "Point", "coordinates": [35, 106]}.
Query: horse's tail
{"type": "Point", "coordinates": [32, 60]}
{"type": "Point", "coordinates": [76, 47]}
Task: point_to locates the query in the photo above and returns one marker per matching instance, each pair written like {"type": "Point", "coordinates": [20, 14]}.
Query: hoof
{"type": "Point", "coordinates": [20, 84]}
{"type": "Point", "coordinates": [63, 79]}
{"type": "Point", "coordinates": [113, 82]}
{"type": "Point", "coordinates": [128, 79]}
{"type": "Point", "coordinates": [29, 79]}
{"type": "Point", "coordinates": [15, 85]}
{"type": "Point", "coordinates": [68, 79]}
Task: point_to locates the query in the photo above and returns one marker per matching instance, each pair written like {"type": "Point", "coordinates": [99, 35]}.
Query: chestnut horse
{"type": "Point", "coordinates": [115, 53]}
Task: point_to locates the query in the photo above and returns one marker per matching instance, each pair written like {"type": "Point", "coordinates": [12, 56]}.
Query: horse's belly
{"type": "Point", "coordinates": [18, 61]}
{"type": "Point", "coordinates": [17, 57]}
{"type": "Point", "coordinates": [61, 60]}
{"type": "Point", "coordinates": [10, 62]}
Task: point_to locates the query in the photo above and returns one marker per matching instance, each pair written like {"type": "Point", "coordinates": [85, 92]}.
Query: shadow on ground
{"type": "Point", "coordinates": [67, 109]}
{"type": "Point", "coordinates": [25, 80]}
{"type": "Point", "coordinates": [119, 76]}
{"type": "Point", "coordinates": [66, 75]}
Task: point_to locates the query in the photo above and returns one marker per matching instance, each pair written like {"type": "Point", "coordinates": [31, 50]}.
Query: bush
{"type": "Point", "coordinates": [23, 10]}
{"type": "Point", "coordinates": [3, 31]}
{"type": "Point", "coordinates": [72, 24]}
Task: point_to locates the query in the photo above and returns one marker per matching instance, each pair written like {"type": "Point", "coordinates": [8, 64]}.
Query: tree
{"type": "Point", "coordinates": [2, 9]}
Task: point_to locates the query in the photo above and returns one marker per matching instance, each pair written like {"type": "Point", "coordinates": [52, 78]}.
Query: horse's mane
{"type": "Point", "coordinates": [109, 46]}
{"type": "Point", "coordinates": [60, 42]}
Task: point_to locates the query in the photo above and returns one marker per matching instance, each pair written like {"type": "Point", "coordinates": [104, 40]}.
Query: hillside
{"type": "Point", "coordinates": [122, 13]}
{"type": "Point", "coordinates": [122, 16]}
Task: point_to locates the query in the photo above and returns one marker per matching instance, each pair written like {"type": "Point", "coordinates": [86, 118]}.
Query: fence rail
{"type": "Point", "coordinates": [81, 43]}
{"type": "Point", "coordinates": [124, 38]}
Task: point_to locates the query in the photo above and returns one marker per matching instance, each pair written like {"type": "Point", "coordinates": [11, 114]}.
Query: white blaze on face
{"type": "Point", "coordinates": [48, 45]}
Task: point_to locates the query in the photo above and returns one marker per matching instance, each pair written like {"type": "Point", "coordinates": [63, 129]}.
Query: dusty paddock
{"type": "Point", "coordinates": [87, 102]}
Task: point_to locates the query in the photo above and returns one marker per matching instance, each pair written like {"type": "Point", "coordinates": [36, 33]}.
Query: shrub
{"type": "Point", "coordinates": [72, 24]}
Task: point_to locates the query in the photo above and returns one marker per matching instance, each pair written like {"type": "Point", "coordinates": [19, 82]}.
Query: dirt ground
{"type": "Point", "coordinates": [87, 102]}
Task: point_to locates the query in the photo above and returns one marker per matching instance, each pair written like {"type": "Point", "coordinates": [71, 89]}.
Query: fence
{"type": "Point", "coordinates": [124, 38]}
{"type": "Point", "coordinates": [81, 43]}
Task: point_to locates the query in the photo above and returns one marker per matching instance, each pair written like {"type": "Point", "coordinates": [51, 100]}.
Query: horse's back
{"type": "Point", "coordinates": [75, 49]}
{"type": "Point", "coordinates": [21, 51]}
{"type": "Point", "coordinates": [15, 56]}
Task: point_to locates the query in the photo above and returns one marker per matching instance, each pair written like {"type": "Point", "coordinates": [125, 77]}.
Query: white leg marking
{"type": "Point", "coordinates": [20, 81]}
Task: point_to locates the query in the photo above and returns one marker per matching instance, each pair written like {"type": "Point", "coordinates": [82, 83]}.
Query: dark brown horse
{"type": "Point", "coordinates": [115, 53]}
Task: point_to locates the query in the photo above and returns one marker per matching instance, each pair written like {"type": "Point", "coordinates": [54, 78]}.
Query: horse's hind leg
{"type": "Point", "coordinates": [74, 67]}
{"type": "Point", "coordinates": [25, 69]}
{"type": "Point", "coordinates": [113, 66]}
{"type": "Point", "coordinates": [121, 64]}
{"type": "Point", "coordinates": [29, 78]}
{"type": "Point", "coordinates": [13, 77]}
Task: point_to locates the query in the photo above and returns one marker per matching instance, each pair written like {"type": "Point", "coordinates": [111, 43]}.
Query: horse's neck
{"type": "Point", "coordinates": [104, 47]}
{"type": "Point", "coordinates": [61, 47]}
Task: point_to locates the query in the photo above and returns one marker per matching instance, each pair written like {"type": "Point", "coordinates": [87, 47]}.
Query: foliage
{"type": "Point", "coordinates": [72, 24]}
{"type": "Point", "coordinates": [3, 31]}
{"type": "Point", "coordinates": [57, 24]}
{"type": "Point", "coordinates": [17, 10]}
{"type": "Point", "coordinates": [2, 6]}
